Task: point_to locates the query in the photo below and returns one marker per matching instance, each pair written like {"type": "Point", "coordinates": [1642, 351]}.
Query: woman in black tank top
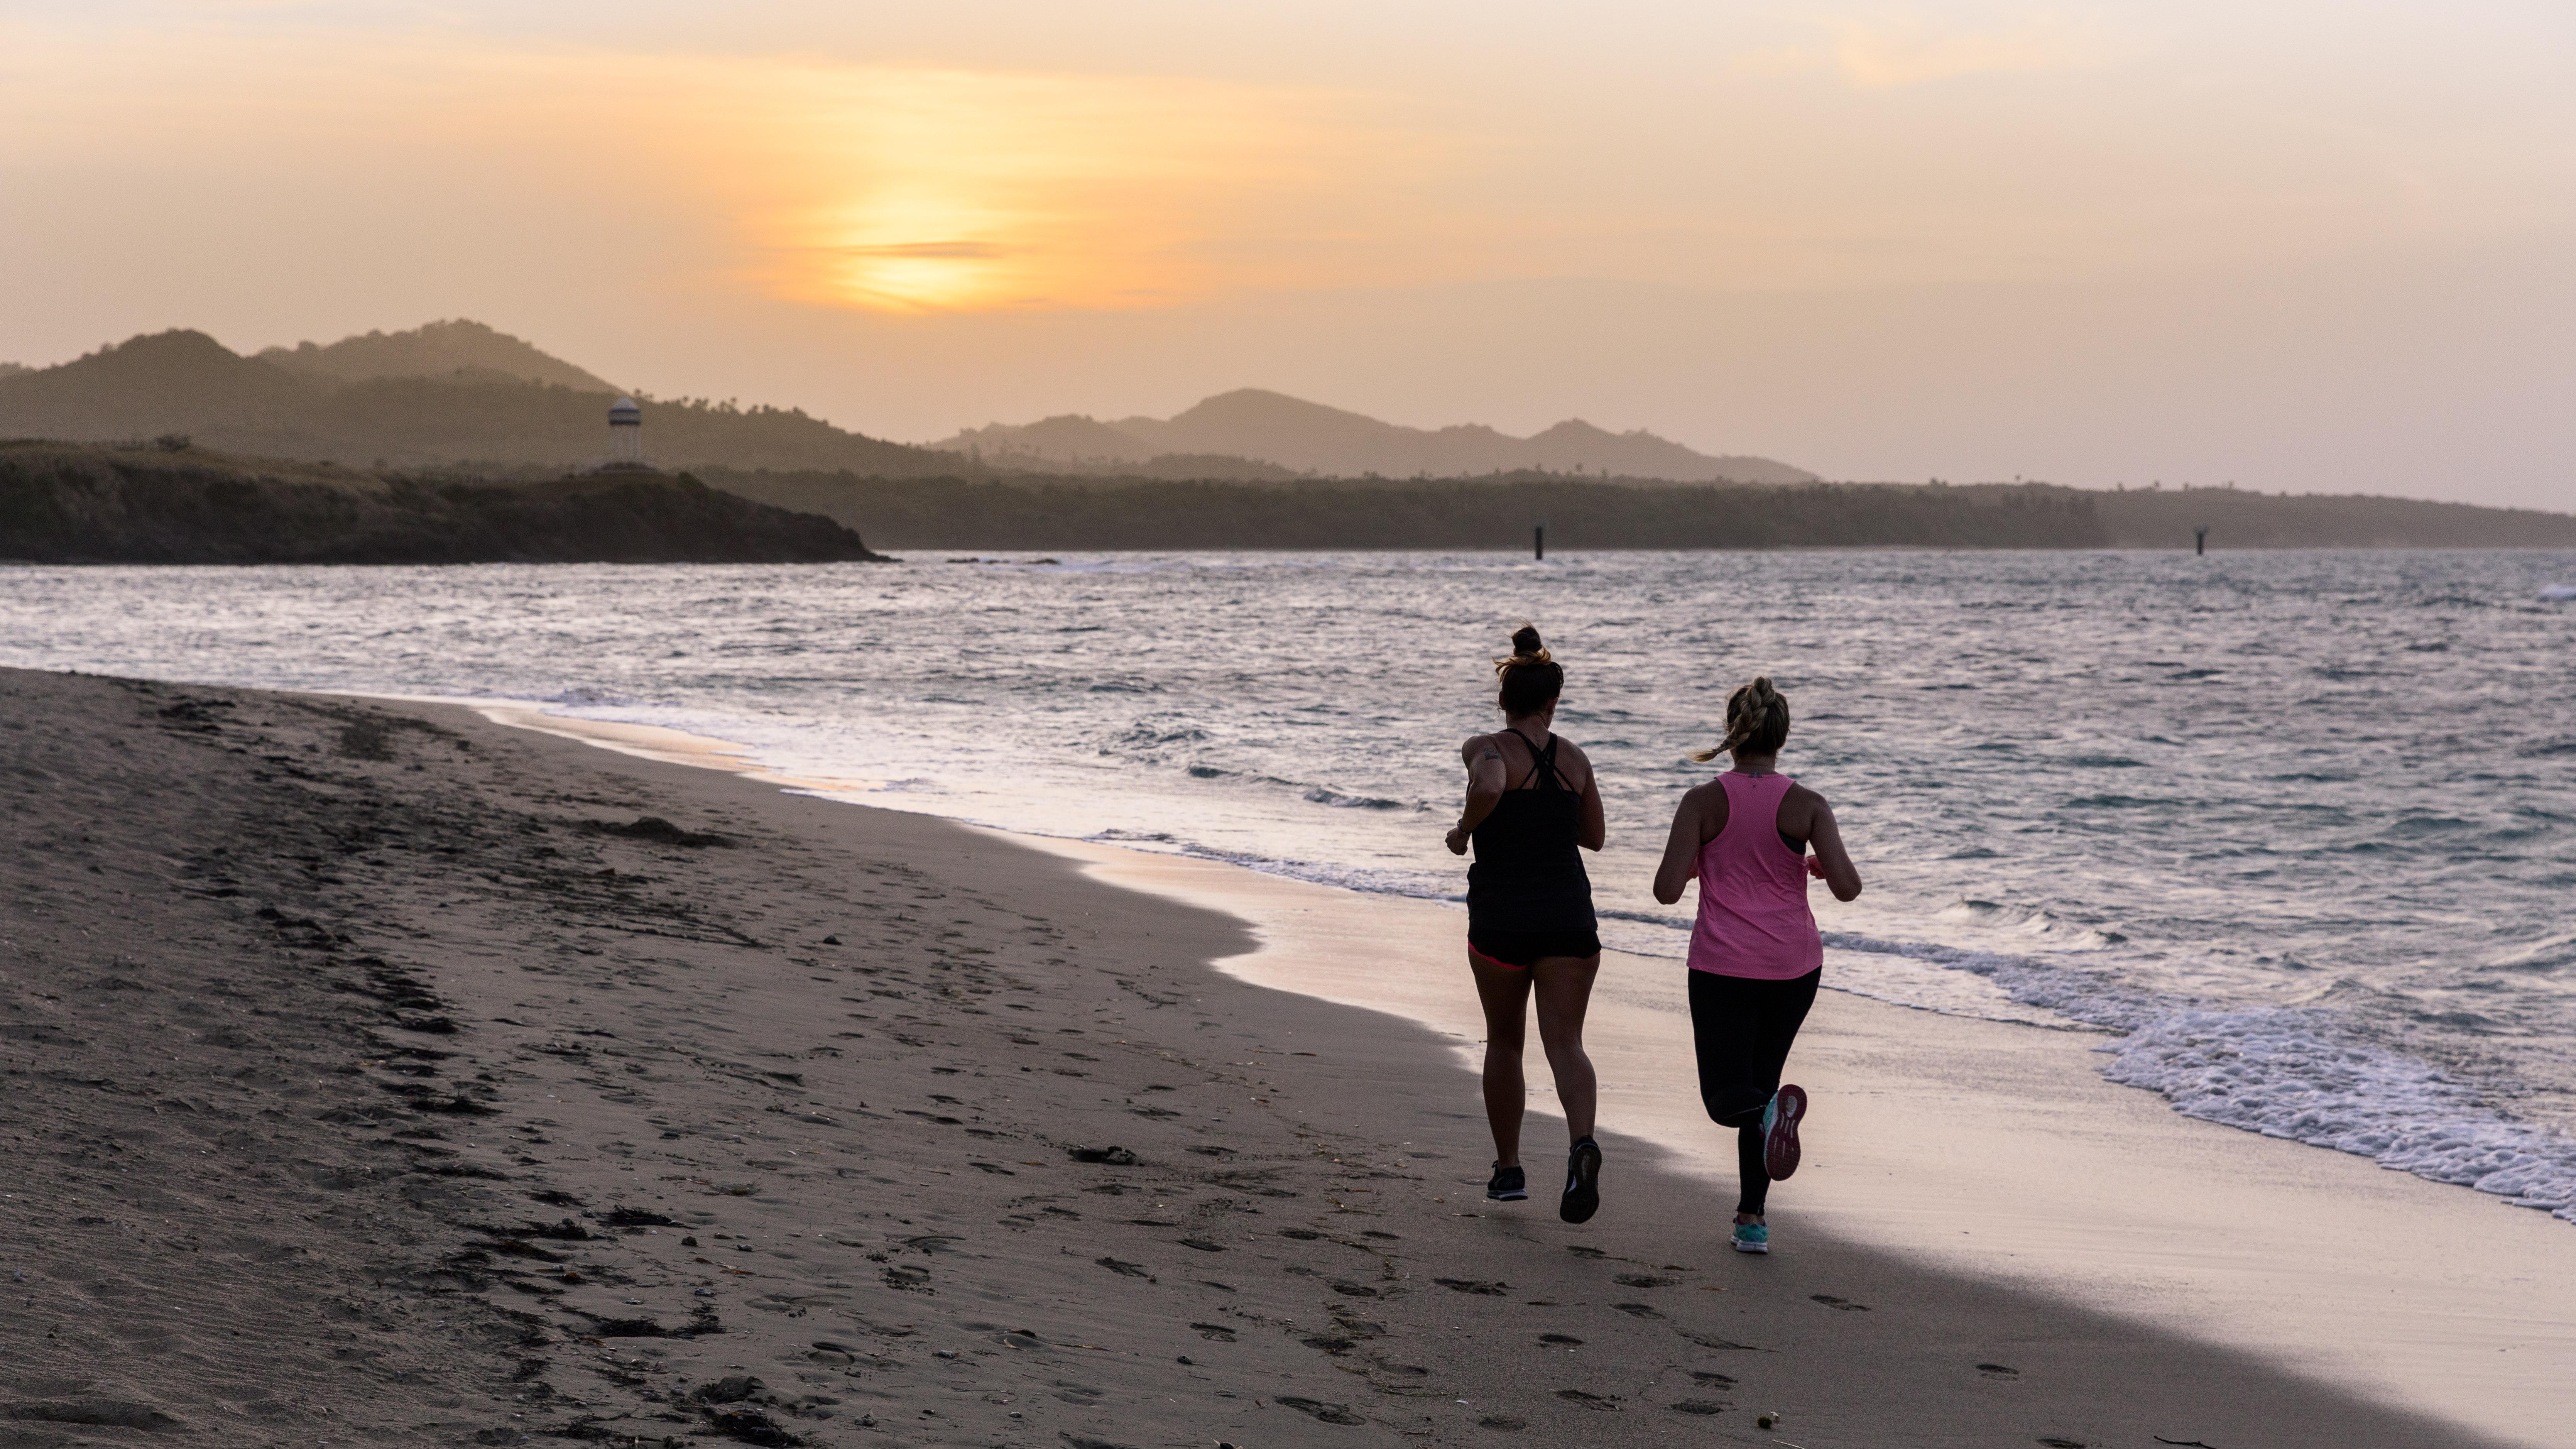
{"type": "Point", "coordinates": [1532, 808]}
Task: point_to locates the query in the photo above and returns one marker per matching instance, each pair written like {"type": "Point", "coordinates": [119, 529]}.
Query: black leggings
{"type": "Point", "coordinates": [1742, 1029]}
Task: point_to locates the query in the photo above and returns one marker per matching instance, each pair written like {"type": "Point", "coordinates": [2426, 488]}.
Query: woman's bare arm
{"type": "Point", "coordinates": [1594, 828]}
{"type": "Point", "coordinates": [1832, 861]}
{"type": "Point", "coordinates": [1681, 850]}
{"type": "Point", "coordinates": [1485, 780]}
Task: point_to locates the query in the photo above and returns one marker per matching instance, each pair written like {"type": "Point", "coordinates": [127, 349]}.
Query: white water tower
{"type": "Point", "coordinates": [625, 434]}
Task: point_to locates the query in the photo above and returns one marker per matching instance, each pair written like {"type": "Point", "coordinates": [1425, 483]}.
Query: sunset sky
{"type": "Point", "coordinates": [2304, 246]}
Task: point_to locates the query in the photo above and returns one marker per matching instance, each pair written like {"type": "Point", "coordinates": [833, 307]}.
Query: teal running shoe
{"type": "Point", "coordinates": [1752, 1238]}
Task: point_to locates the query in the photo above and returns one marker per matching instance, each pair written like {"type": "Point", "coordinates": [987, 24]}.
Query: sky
{"type": "Point", "coordinates": [2299, 246]}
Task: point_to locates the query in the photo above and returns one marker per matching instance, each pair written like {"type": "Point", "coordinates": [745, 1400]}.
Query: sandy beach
{"type": "Point", "coordinates": [382, 1073]}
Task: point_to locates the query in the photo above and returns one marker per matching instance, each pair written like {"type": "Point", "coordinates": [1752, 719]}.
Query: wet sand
{"type": "Point", "coordinates": [380, 1073]}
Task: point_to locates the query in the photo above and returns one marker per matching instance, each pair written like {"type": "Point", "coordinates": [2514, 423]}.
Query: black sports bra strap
{"type": "Point", "coordinates": [1543, 775]}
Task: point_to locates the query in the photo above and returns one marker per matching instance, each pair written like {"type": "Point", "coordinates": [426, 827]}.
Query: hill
{"type": "Point", "coordinates": [477, 417]}
{"type": "Point", "coordinates": [181, 504]}
{"type": "Point", "coordinates": [1304, 437]}
{"type": "Point", "coordinates": [442, 350]}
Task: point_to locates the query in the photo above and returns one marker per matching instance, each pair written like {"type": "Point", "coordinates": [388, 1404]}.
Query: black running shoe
{"type": "Point", "coordinates": [1510, 1184]}
{"type": "Point", "coordinates": [1582, 1183]}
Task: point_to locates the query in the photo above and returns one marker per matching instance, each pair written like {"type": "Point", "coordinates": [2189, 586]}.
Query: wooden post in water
{"type": "Point", "coordinates": [1538, 541]}
{"type": "Point", "coordinates": [2199, 541]}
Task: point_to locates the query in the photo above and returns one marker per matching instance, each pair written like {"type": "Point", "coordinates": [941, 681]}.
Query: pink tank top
{"type": "Point", "coordinates": [1753, 916]}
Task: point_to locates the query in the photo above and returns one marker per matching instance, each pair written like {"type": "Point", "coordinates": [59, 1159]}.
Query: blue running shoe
{"type": "Point", "coordinates": [1752, 1238]}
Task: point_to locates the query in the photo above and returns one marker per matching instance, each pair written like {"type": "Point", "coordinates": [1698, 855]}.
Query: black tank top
{"type": "Point", "coordinates": [1528, 874]}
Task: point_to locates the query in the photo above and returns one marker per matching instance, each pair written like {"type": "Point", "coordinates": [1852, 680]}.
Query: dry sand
{"type": "Point", "coordinates": [372, 1074]}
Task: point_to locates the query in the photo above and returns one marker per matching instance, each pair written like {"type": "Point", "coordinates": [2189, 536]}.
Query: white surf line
{"type": "Point", "coordinates": [1992, 1149]}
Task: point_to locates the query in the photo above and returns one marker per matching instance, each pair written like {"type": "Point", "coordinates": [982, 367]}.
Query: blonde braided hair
{"type": "Point", "coordinates": [1757, 722]}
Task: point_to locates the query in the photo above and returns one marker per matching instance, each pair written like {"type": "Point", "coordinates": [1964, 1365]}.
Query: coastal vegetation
{"type": "Point", "coordinates": [1071, 512]}
{"type": "Point", "coordinates": [169, 501]}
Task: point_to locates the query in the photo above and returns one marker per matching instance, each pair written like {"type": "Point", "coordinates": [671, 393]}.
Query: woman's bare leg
{"type": "Point", "coordinates": [1505, 994]}
{"type": "Point", "coordinates": [1564, 987]}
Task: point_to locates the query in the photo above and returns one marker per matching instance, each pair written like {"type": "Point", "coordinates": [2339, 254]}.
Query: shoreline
{"type": "Point", "coordinates": [398, 1076]}
{"type": "Point", "coordinates": [2312, 1257]}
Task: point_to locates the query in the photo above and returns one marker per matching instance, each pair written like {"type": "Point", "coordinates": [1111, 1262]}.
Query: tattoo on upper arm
{"type": "Point", "coordinates": [1490, 754]}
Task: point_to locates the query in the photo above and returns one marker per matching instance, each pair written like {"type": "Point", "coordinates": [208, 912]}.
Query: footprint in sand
{"type": "Point", "coordinates": [1329, 1413]}
{"type": "Point", "coordinates": [1844, 1304]}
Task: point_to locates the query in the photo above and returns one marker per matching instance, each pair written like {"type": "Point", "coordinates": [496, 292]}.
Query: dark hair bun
{"type": "Point", "coordinates": [1525, 640]}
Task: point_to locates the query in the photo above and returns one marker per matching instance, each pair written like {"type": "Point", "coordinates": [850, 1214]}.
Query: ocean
{"type": "Point", "coordinates": [2293, 833]}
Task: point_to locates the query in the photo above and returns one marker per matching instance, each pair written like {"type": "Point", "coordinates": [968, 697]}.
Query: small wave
{"type": "Point", "coordinates": [1322, 795]}
{"type": "Point", "coordinates": [2559, 593]}
{"type": "Point", "coordinates": [2295, 1072]}
{"type": "Point", "coordinates": [2290, 1072]}
{"type": "Point", "coordinates": [1209, 772]}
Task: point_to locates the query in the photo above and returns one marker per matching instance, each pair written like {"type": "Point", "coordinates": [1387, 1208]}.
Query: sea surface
{"type": "Point", "coordinates": [2294, 833]}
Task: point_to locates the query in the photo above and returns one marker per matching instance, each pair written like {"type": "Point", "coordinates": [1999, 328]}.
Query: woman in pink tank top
{"type": "Point", "coordinates": [1755, 955]}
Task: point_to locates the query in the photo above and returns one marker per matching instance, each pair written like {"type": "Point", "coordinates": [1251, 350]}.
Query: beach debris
{"type": "Point", "coordinates": [1113, 1156]}
{"type": "Point", "coordinates": [730, 1390]}
{"type": "Point", "coordinates": [1766, 1421]}
{"type": "Point", "coordinates": [831, 940]}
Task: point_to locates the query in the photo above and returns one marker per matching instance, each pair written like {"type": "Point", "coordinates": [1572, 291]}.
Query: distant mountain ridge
{"type": "Point", "coordinates": [1289, 433]}
{"type": "Point", "coordinates": [459, 350]}
{"type": "Point", "coordinates": [448, 395]}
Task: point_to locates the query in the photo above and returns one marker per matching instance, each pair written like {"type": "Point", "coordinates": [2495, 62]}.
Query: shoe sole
{"type": "Point", "coordinates": [1780, 1144]}
{"type": "Point", "coordinates": [1583, 1186]}
{"type": "Point", "coordinates": [1520, 1196]}
{"type": "Point", "coordinates": [1753, 1247]}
